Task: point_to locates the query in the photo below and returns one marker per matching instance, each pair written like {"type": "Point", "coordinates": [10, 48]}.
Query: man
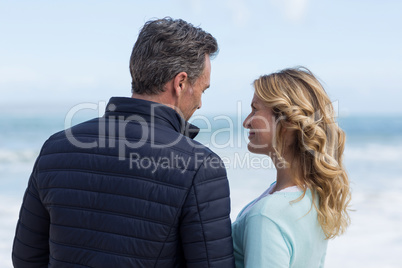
{"type": "Point", "coordinates": [133, 189]}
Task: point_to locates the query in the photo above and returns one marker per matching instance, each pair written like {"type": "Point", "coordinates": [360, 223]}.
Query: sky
{"type": "Point", "coordinates": [55, 55]}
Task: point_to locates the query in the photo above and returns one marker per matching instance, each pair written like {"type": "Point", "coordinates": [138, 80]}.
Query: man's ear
{"type": "Point", "coordinates": [180, 83]}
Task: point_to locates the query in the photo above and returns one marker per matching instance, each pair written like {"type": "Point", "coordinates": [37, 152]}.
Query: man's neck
{"type": "Point", "coordinates": [159, 98]}
{"type": "Point", "coordinates": [155, 98]}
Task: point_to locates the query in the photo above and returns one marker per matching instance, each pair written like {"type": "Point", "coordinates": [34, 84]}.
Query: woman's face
{"type": "Point", "coordinates": [262, 126]}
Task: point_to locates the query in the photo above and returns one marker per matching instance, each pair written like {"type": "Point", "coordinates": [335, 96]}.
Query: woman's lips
{"type": "Point", "coordinates": [251, 134]}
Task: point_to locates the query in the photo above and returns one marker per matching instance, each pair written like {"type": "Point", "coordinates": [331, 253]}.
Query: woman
{"type": "Point", "coordinates": [292, 121]}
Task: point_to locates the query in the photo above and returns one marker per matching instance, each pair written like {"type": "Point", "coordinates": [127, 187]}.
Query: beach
{"type": "Point", "coordinates": [372, 158]}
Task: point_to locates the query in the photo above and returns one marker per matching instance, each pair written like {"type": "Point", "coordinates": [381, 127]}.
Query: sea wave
{"type": "Point", "coordinates": [18, 156]}
{"type": "Point", "coordinates": [374, 152]}
{"type": "Point", "coordinates": [361, 152]}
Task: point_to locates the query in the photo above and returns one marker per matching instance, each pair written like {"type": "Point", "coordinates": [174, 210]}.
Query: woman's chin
{"type": "Point", "coordinates": [255, 149]}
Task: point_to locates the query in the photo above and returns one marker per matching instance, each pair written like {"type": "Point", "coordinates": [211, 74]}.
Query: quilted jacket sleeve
{"type": "Point", "coordinates": [205, 227]}
{"type": "Point", "coordinates": [31, 242]}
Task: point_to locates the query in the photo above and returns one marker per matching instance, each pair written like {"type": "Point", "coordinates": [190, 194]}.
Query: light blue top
{"type": "Point", "coordinates": [276, 233]}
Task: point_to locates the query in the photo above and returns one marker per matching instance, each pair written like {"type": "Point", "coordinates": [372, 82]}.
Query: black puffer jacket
{"type": "Point", "coordinates": [126, 190]}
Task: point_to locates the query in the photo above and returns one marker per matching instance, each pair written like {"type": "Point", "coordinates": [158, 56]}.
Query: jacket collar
{"type": "Point", "coordinates": [150, 112]}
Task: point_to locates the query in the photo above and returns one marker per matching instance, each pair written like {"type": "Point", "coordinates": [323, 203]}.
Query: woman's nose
{"type": "Point", "coordinates": [246, 122]}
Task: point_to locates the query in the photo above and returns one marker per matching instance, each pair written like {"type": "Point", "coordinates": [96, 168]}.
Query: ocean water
{"type": "Point", "coordinates": [373, 157]}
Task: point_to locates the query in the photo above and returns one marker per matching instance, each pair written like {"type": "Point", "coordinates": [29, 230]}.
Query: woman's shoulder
{"type": "Point", "coordinates": [283, 205]}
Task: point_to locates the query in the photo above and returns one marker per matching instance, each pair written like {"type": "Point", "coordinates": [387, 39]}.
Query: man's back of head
{"type": "Point", "coordinates": [166, 47]}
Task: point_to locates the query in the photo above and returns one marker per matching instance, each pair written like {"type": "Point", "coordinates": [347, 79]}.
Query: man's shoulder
{"type": "Point", "coordinates": [89, 128]}
{"type": "Point", "coordinates": [161, 140]}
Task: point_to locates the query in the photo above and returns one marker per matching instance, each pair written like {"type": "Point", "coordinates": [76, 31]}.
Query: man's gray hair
{"type": "Point", "coordinates": [166, 47]}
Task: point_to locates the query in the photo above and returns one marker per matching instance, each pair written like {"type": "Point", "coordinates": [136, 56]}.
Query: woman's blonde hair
{"type": "Point", "coordinates": [300, 104]}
